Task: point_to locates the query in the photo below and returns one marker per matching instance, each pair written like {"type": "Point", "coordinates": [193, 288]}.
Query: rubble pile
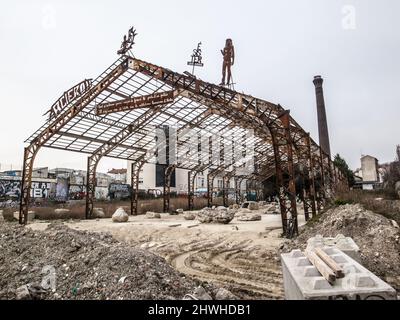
{"type": "Point", "coordinates": [85, 266]}
{"type": "Point", "coordinates": [377, 237]}
{"type": "Point", "coordinates": [216, 215]}
{"type": "Point", "coordinates": [248, 215]}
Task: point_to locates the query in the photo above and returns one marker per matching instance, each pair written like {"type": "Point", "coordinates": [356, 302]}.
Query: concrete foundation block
{"type": "Point", "coordinates": [344, 244]}
{"type": "Point", "coordinates": [302, 281]}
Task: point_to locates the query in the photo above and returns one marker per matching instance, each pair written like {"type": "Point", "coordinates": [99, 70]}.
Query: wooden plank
{"type": "Point", "coordinates": [174, 225]}
{"type": "Point", "coordinates": [339, 273]}
{"type": "Point", "coordinates": [321, 266]}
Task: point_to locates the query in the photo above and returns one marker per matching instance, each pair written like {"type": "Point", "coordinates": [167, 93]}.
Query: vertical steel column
{"type": "Point", "coordinates": [238, 184]}
{"type": "Point", "coordinates": [210, 187]}
{"type": "Point", "coordinates": [225, 185]}
{"type": "Point", "coordinates": [91, 183]}
{"type": "Point", "coordinates": [191, 179]}
{"type": "Point", "coordinates": [29, 158]}
{"type": "Point", "coordinates": [136, 167]}
{"type": "Point", "coordinates": [167, 187]}
{"type": "Point", "coordinates": [289, 224]}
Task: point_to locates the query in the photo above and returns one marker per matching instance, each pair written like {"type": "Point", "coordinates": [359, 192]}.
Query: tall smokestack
{"type": "Point", "coordinates": [322, 122]}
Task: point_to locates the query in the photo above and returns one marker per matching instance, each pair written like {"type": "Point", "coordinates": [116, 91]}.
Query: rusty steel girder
{"type": "Point", "coordinates": [285, 175]}
{"type": "Point", "coordinates": [293, 152]}
{"type": "Point", "coordinates": [108, 77]}
{"type": "Point", "coordinates": [136, 167]}
{"type": "Point", "coordinates": [167, 187]}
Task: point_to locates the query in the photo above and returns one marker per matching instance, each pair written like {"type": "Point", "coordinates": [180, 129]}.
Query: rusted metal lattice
{"type": "Point", "coordinates": [118, 114]}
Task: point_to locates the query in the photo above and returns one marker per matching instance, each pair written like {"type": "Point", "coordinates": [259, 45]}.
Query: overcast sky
{"type": "Point", "coordinates": [48, 46]}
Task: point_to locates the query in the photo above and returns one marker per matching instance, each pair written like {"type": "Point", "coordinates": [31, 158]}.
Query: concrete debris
{"type": "Point", "coordinates": [251, 205]}
{"type": "Point", "coordinates": [189, 215]}
{"type": "Point", "coordinates": [22, 293]}
{"type": "Point", "coordinates": [98, 213]}
{"type": "Point", "coordinates": [120, 216]}
{"type": "Point", "coordinates": [99, 268]}
{"type": "Point", "coordinates": [201, 294]}
{"type": "Point", "coordinates": [234, 206]}
{"type": "Point", "coordinates": [179, 211]}
{"type": "Point", "coordinates": [61, 211]}
{"type": "Point", "coordinates": [219, 215]}
{"type": "Point", "coordinates": [153, 215]}
{"type": "Point", "coordinates": [1, 216]}
{"type": "Point", "coordinates": [223, 294]}
{"type": "Point", "coordinates": [31, 215]}
{"type": "Point", "coordinates": [249, 217]}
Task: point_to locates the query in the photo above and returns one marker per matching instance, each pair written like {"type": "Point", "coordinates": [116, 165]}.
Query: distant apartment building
{"type": "Point", "coordinates": [118, 175]}
{"type": "Point", "coordinates": [151, 177]}
{"type": "Point", "coordinates": [368, 177]}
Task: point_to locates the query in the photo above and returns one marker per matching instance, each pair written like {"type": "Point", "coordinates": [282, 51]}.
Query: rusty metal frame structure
{"type": "Point", "coordinates": [281, 143]}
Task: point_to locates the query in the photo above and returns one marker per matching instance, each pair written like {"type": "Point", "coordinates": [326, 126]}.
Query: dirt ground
{"type": "Point", "coordinates": [243, 257]}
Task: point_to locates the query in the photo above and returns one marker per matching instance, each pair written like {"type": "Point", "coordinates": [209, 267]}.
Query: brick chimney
{"type": "Point", "coordinates": [322, 122]}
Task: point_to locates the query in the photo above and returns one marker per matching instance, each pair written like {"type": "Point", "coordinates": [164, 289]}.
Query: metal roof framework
{"type": "Point", "coordinates": [218, 117]}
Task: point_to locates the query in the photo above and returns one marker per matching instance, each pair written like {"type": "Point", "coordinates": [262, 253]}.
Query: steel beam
{"type": "Point", "coordinates": [167, 187]}
{"type": "Point", "coordinates": [113, 73]}
{"type": "Point", "coordinates": [287, 189]}
{"type": "Point", "coordinates": [136, 167]}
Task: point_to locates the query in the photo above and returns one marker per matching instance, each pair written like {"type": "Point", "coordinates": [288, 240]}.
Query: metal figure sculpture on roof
{"type": "Point", "coordinates": [229, 59]}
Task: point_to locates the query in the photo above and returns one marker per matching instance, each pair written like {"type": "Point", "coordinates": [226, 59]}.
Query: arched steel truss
{"type": "Point", "coordinates": [281, 147]}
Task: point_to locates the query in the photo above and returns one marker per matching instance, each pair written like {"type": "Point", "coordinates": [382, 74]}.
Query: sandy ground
{"type": "Point", "coordinates": [241, 256]}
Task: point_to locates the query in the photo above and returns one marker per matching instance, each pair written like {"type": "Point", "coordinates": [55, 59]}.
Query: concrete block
{"type": "Point", "coordinates": [31, 215]}
{"type": "Point", "coordinates": [302, 281]}
{"type": "Point", "coordinates": [344, 244]}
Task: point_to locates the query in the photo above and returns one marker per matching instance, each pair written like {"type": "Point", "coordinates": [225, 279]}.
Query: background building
{"type": "Point", "coordinates": [368, 177]}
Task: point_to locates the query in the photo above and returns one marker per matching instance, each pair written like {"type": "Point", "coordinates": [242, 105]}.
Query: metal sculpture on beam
{"type": "Point", "coordinates": [228, 54]}
{"type": "Point", "coordinates": [196, 58]}
{"type": "Point", "coordinates": [128, 42]}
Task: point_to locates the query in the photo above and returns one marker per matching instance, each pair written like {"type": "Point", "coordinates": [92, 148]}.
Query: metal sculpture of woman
{"type": "Point", "coordinates": [229, 59]}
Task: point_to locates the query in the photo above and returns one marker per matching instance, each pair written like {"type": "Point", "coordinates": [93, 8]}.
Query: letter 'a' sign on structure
{"type": "Point", "coordinates": [147, 101]}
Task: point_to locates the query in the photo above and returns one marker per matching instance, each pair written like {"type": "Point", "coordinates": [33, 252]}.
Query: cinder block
{"type": "Point", "coordinates": [302, 281]}
{"type": "Point", "coordinates": [344, 244]}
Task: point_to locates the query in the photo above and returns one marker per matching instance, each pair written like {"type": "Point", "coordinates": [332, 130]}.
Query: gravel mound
{"type": "Point", "coordinates": [377, 237]}
{"type": "Point", "coordinates": [87, 266]}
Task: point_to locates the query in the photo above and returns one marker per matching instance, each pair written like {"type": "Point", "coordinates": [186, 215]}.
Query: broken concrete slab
{"type": "Point", "coordinates": [249, 217]}
{"type": "Point", "coordinates": [251, 205]}
{"type": "Point", "coordinates": [219, 215]}
{"type": "Point", "coordinates": [189, 216]}
{"type": "Point", "coordinates": [153, 215]}
{"type": "Point", "coordinates": [120, 216]}
{"type": "Point", "coordinates": [98, 213]}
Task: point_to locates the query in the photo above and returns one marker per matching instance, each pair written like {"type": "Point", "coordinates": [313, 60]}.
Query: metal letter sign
{"type": "Point", "coordinates": [196, 58]}
{"type": "Point", "coordinates": [136, 102]}
{"type": "Point", "coordinates": [68, 97]}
